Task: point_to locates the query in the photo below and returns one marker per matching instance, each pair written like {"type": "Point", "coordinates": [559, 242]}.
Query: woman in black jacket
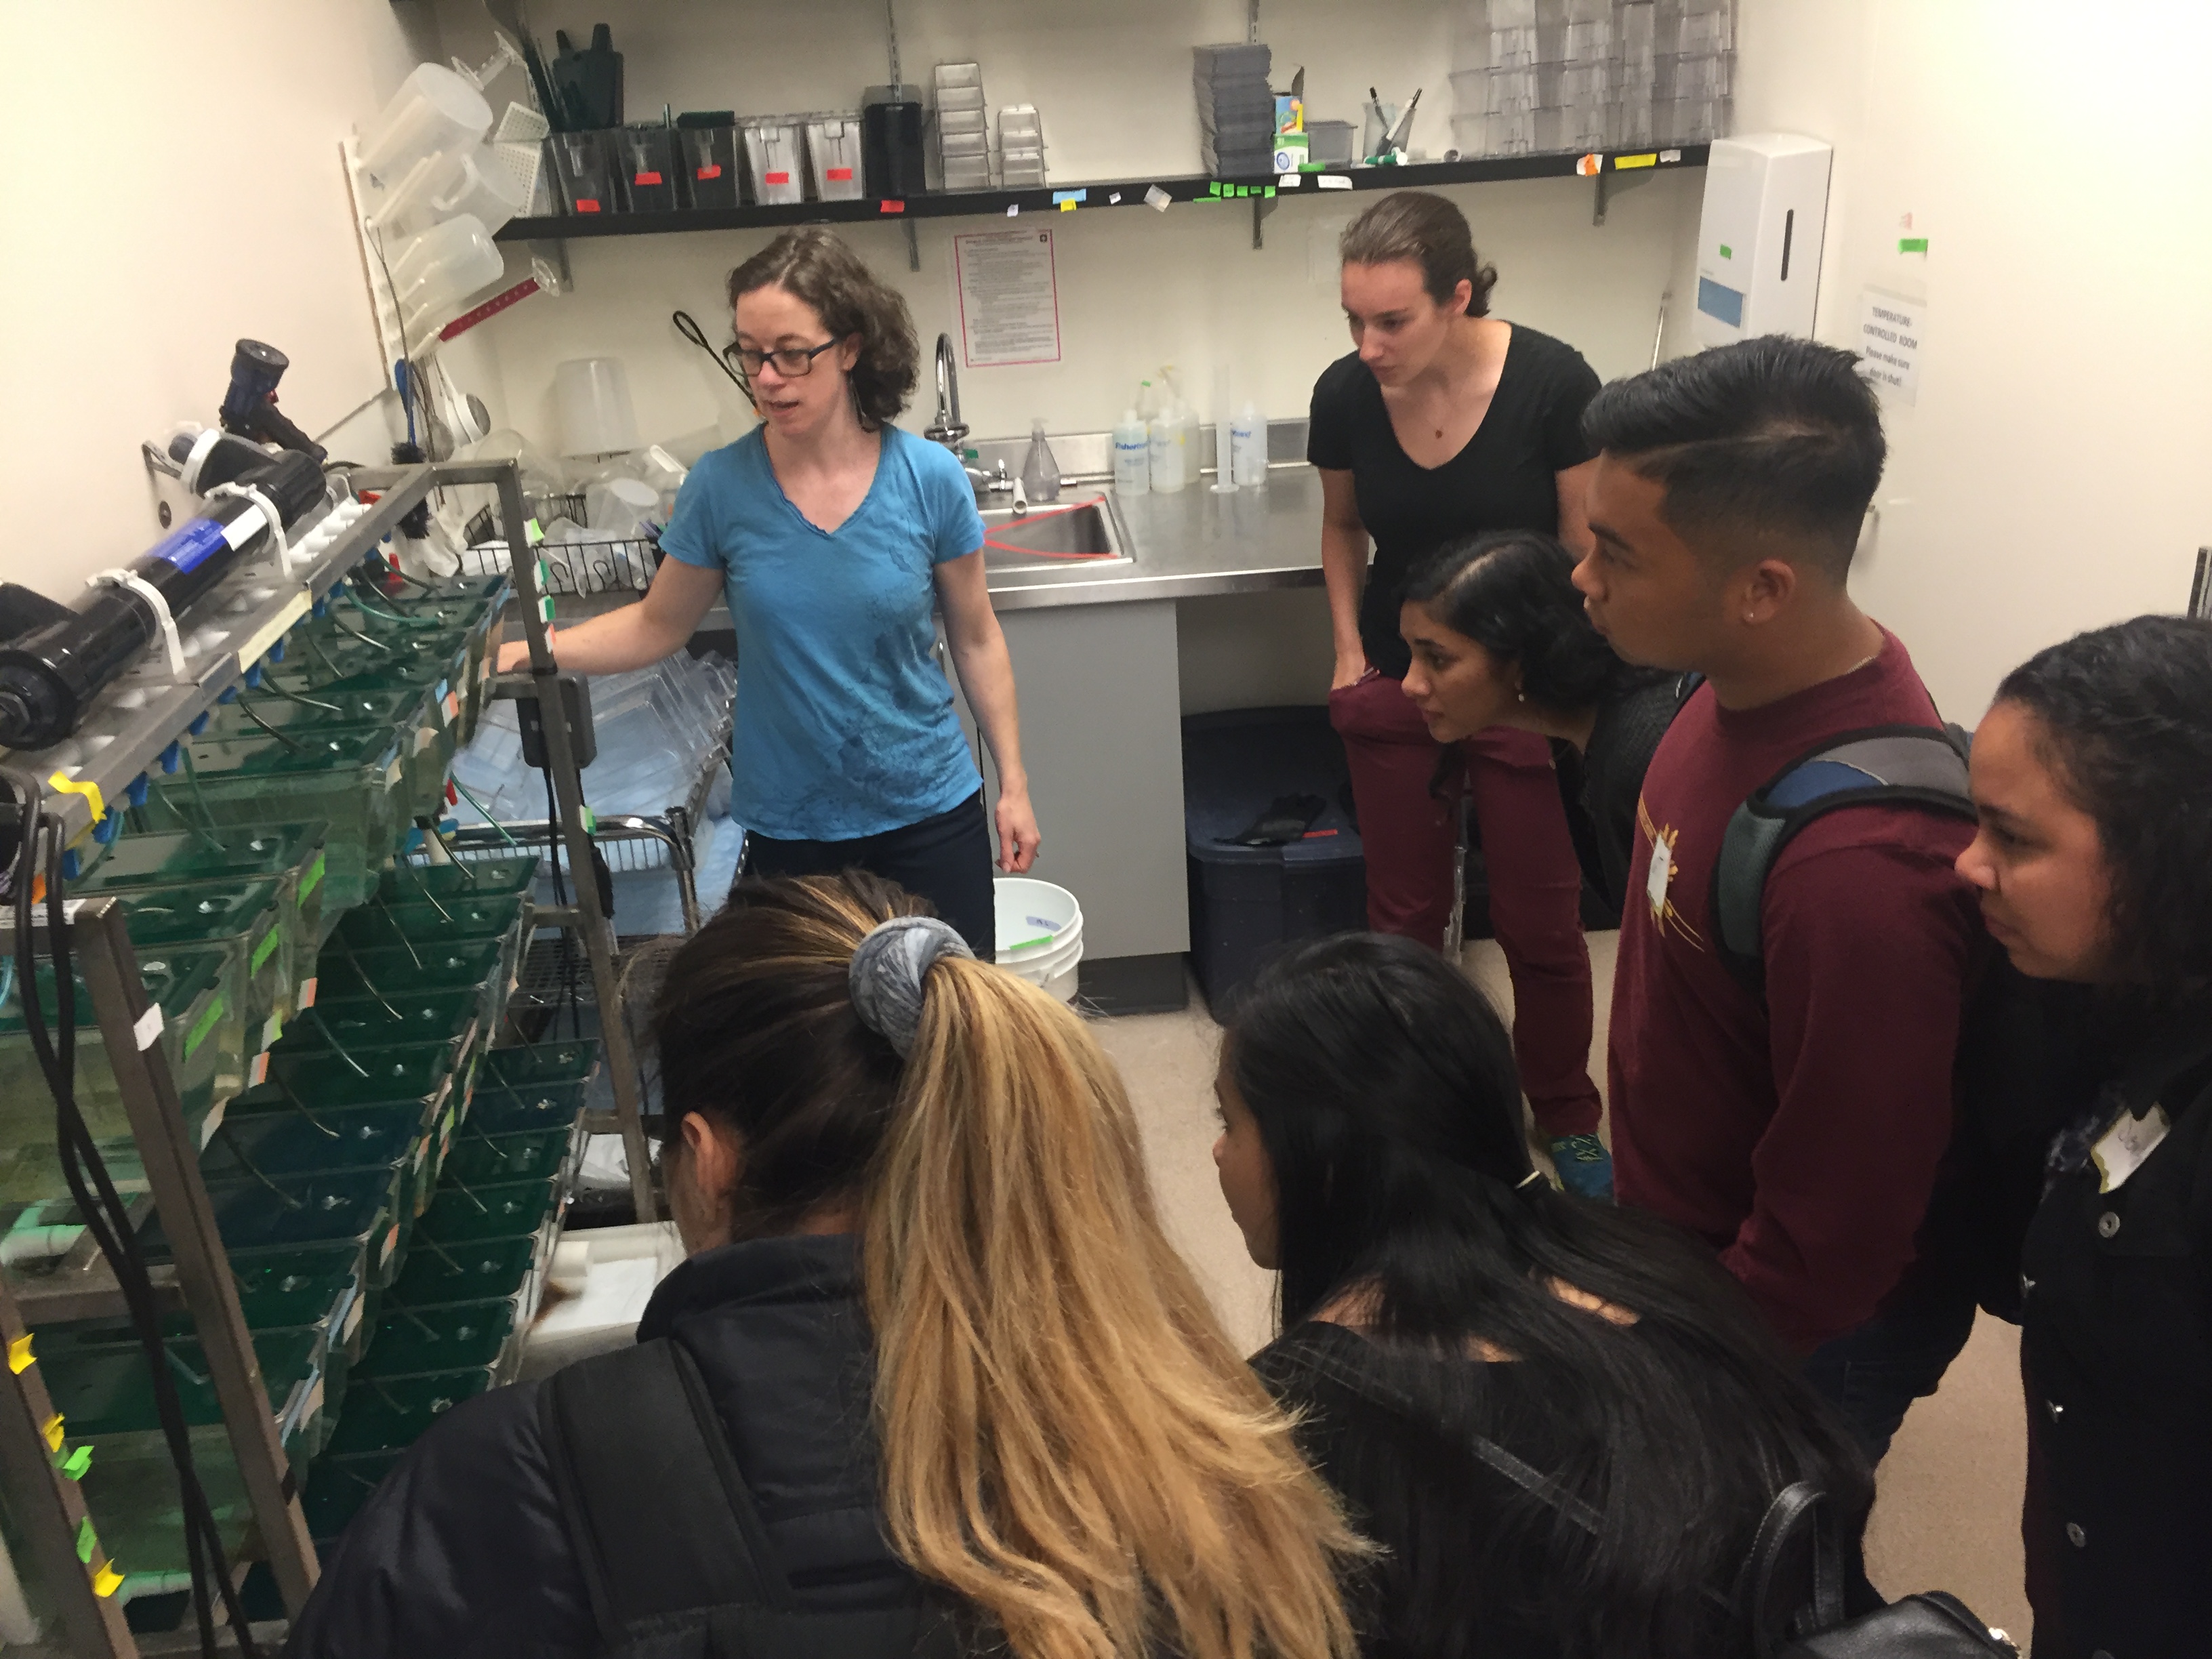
{"type": "Point", "coordinates": [1499, 638]}
{"type": "Point", "coordinates": [943, 1379]}
{"type": "Point", "coordinates": [1562, 1421]}
{"type": "Point", "coordinates": [2092, 776]}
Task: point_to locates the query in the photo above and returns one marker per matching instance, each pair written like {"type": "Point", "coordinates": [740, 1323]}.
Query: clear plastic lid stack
{"type": "Point", "coordinates": [1572, 75]}
{"type": "Point", "coordinates": [1021, 148]}
{"type": "Point", "coordinates": [962, 126]}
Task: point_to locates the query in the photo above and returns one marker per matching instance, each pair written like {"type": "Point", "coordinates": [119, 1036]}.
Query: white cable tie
{"type": "Point", "coordinates": [154, 596]}
{"type": "Point", "coordinates": [247, 492]}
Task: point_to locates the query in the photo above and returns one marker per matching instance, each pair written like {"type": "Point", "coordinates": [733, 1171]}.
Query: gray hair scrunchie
{"type": "Point", "coordinates": [888, 970]}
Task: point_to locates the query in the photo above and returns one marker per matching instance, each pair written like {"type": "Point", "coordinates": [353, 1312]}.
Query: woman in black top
{"type": "Point", "coordinates": [1499, 638]}
{"type": "Point", "coordinates": [2093, 775]}
{"type": "Point", "coordinates": [1437, 1292]}
{"type": "Point", "coordinates": [1445, 421]}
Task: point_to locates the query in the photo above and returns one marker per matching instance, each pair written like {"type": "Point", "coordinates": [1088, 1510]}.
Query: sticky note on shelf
{"type": "Point", "coordinates": [87, 1541]}
{"type": "Point", "coordinates": [1156, 199]}
{"type": "Point", "coordinates": [1114, 199]}
{"type": "Point", "coordinates": [1912, 245]}
{"type": "Point", "coordinates": [1334, 181]}
{"type": "Point", "coordinates": [107, 1580]}
{"type": "Point", "coordinates": [51, 1431]}
{"type": "Point", "coordinates": [1068, 207]}
{"type": "Point", "coordinates": [1066, 198]}
{"type": "Point", "coordinates": [1014, 208]}
{"type": "Point", "coordinates": [77, 1462]}
{"type": "Point", "coordinates": [1625, 163]}
{"type": "Point", "coordinates": [19, 1354]}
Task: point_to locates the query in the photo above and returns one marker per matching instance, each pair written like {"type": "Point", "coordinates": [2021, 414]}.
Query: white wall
{"type": "Point", "coordinates": [2053, 475]}
{"type": "Point", "coordinates": [198, 196]}
{"type": "Point", "coordinates": [1137, 288]}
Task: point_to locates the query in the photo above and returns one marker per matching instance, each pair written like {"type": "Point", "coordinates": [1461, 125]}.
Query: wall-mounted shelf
{"type": "Point", "coordinates": [996, 203]}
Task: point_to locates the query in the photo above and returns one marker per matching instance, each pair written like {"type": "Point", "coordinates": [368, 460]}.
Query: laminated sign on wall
{"type": "Point", "coordinates": [1890, 332]}
{"type": "Point", "coordinates": [1009, 298]}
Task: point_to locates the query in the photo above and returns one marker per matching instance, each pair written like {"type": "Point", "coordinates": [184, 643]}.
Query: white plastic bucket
{"type": "Point", "coordinates": [1040, 933]}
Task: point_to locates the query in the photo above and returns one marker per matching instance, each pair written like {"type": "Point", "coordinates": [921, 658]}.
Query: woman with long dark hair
{"type": "Point", "coordinates": [2092, 777]}
{"type": "Point", "coordinates": [1498, 639]}
{"type": "Point", "coordinates": [1563, 1422]}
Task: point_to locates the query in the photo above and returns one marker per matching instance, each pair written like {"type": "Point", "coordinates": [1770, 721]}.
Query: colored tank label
{"type": "Point", "coordinates": [190, 546]}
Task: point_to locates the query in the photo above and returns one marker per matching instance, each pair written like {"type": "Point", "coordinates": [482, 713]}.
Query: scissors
{"type": "Point", "coordinates": [690, 330]}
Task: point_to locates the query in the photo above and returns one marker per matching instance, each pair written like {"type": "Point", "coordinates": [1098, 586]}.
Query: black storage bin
{"type": "Point", "coordinates": [1246, 903]}
{"type": "Point", "coordinates": [706, 159]}
{"type": "Point", "coordinates": [646, 163]}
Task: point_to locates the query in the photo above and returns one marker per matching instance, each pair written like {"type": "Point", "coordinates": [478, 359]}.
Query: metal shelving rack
{"type": "Point", "coordinates": [234, 627]}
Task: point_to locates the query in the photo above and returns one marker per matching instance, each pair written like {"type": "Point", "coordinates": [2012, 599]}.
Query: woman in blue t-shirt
{"type": "Point", "coordinates": [834, 536]}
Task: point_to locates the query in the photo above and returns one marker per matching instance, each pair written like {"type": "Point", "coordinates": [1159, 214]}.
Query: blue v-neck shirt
{"type": "Point", "coordinates": [845, 724]}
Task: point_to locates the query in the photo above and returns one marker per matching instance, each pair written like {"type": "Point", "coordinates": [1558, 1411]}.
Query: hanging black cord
{"type": "Point", "coordinates": [567, 934]}
{"type": "Point", "coordinates": [105, 1214]}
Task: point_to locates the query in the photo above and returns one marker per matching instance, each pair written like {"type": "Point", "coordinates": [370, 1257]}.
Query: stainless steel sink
{"type": "Point", "coordinates": [1079, 531]}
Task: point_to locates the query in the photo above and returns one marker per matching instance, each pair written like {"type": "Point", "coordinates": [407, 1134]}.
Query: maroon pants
{"type": "Point", "coordinates": [1535, 883]}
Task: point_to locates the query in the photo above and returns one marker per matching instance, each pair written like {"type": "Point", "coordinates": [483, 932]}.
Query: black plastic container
{"type": "Point", "coordinates": [645, 158]}
{"type": "Point", "coordinates": [706, 159]}
{"type": "Point", "coordinates": [1248, 903]}
{"type": "Point", "coordinates": [891, 141]}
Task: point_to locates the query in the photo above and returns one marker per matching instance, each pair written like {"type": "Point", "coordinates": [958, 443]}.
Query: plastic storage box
{"type": "Point", "coordinates": [775, 160]}
{"type": "Point", "coordinates": [647, 159]}
{"type": "Point", "coordinates": [582, 162]}
{"type": "Point", "coordinates": [291, 855]}
{"type": "Point", "coordinates": [248, 921]}
{"type": "Point", "coordinates": [833, 155]}
{"type": "Point", "coordinates": [1246, 903]}
{"type": "Point", "coordinates": [706, 159]}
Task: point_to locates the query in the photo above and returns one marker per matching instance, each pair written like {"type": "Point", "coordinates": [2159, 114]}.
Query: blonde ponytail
{"type": "Point", "coordinates": [1067, 1439]}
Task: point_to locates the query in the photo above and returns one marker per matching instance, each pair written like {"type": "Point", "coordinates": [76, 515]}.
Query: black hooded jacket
{"type": "Point", "coordinates": [463, 1552]}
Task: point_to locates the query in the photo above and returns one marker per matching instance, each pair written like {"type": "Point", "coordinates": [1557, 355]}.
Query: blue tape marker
{"type": "Point", "coordinates": [1059, 196]}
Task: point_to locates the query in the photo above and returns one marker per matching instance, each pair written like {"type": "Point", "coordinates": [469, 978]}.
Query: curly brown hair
{"type": "Point", "coordinates": [815, 266]}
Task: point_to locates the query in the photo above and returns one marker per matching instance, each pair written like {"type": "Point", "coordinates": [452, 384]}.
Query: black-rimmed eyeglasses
{"type": "Point", "coordinates": [791, 361]}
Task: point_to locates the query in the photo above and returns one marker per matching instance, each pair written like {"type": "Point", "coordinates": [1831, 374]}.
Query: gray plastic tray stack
{"type": "Point", "coordinates": [1235, 109]}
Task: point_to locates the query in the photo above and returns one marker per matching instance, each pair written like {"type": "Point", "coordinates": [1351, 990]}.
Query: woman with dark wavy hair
{"type": "Point", "coordinates": [834, 536]}
{"type": "Point", "coordinates": [1563, 1422]}
{"type": "Point", "coordinates": [2092, 776]}
{"type": "Point", "coordinates": [1499, 638]}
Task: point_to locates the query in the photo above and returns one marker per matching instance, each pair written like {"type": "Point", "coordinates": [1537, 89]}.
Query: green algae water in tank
{"type": "Point", "coordinates": [290, 853]}
{"type": "Point", "coordinates": [202, 1036]}
{"type": "Point", "coordinates": [245, 921]}
{"type": "Point", "coordinates": [350, 779]}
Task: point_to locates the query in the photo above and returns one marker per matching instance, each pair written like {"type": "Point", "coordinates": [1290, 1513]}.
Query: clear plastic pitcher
{"type": "Point", "coordinates": [435, 109]}
{"type": "Point", "coordinates": [432, 272]}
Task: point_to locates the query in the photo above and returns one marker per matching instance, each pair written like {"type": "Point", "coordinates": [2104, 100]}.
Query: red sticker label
{"type": "Point", "coordinates": [711, 170]}
{"type": "Point", "coordinates": [891, 207]}
{"type": "Point", "coordinates": [778, 178]}
{"type": "Point", "coordinates": [646, 179]}
{"type": "Point", "coordinates": [588, 205]}
{"type": "Point", "coordinates": [838, 175]}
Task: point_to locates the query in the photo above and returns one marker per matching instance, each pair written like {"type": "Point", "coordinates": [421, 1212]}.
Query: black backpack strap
{"type": "Point", "coordinates": [662, 1520]}
{"type": "Point", "coordinates": [1792, 1584]}
{"type": "Point", "coordinates": [1919, 766]}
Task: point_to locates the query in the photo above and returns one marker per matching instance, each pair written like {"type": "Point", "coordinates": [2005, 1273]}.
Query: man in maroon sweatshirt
{"type": "Point", "coordinates": [1799, 1130]}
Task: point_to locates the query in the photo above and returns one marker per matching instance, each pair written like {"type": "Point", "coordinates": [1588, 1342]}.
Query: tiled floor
{"type": "Point", "coordinates": [1948, 1513]}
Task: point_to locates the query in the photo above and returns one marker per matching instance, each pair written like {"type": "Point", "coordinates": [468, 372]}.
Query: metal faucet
{"type": "Point", "coordinates": [949, 429]}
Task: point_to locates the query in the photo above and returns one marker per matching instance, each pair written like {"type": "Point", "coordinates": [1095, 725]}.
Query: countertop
{"type": "Point", "coordinates": [1187, 544]}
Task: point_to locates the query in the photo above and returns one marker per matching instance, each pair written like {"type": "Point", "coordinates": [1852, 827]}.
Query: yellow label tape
{"type": "Point", "coordinates": [106, 1581]}
{"type": "Point", "coordinates": [19, 1355]}
{"type": "Point", "coordinates": [89, 790]}
{"type": "Point", "coordinates": [51, 1429]}
{"type": "Point", "coordinates": [1623, 163]}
